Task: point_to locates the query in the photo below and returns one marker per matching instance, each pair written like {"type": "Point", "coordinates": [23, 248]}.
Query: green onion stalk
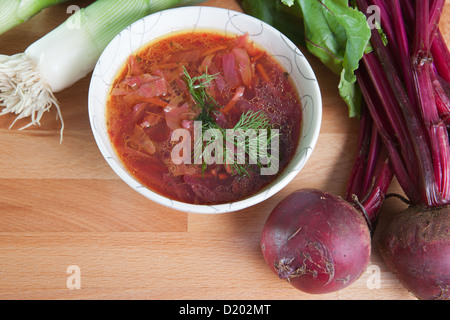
{"type": "Point", "coordinates": [67, 54]}
{"type": "Point", "coordinates": [15, 12]}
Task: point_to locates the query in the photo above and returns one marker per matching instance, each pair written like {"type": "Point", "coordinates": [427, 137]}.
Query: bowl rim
{"type": "Point", "coordinates": [274, 187]}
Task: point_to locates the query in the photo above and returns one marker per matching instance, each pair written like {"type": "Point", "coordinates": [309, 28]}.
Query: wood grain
{"type": "Point", "coordinates": [61, 205]}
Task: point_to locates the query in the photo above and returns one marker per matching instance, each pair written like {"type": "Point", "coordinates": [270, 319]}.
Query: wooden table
{"type": "Point", "coordinates": [66, 216]}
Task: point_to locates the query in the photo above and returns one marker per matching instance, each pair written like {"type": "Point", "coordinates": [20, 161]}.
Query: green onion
{"type": "Point", "coordinates": [13, 13]}
{"type": "Point", "coordinates": [67, 54]}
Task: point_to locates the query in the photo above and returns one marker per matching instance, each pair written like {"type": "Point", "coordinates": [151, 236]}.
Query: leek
{"type": "Point", "coordinates": [67, 54]}
{"type": "Point", "coordinates": [15, 12]}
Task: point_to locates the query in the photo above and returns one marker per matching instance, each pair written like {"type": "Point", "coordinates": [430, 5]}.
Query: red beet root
{"type": "Point", "coordinates": [316, 241]}
{"type": "Point", "coordinates": [416, 247]}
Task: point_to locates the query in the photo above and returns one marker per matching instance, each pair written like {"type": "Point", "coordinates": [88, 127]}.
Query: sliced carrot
{"type": "Point", "coordinates": [155, 101]}
{"type": "Point", "coordinates": [257, 56]}
{"type": "Point", "coordinates": [263, 72]}
{"type": "Point", "coordinates": [223, 176]}
{"type": "Point", "coordinates": [169, 65]}
{"type": "Point", "coordinates": [214, 50]}
{"type": "Point", "coordinates": [239, 93]}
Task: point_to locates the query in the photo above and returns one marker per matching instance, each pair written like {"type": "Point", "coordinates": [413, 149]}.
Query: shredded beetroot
{"type": "Point", "coordinates": [229, 69]}
{"type": "Point", "coordinates": [244, 65]}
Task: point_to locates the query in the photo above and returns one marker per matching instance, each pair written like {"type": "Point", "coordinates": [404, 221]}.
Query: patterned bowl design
{"type": "Point", "coordinates": [215, 19]}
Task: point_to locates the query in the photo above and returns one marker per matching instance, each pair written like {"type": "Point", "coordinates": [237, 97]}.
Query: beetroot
{"type": "Point", "coordinates": [416, 247]}
{"type": "Point", "coordinates": [316, 241]}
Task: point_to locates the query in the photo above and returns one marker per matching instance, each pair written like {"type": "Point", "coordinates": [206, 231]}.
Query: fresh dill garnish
{"type": "Point", "coordinates": [250, 121]}
{"type": "Point", "coordinates": [197, 88]}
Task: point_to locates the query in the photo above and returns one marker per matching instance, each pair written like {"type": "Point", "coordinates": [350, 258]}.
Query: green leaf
{"type": "Point", "coordinates": [351, 93]}
{"type": "Point", "coordinates": [288, 2]}
{"type": "Point", "coordinates": [338, 35]}
{"type": "Point", "coordinates": [335, 31]}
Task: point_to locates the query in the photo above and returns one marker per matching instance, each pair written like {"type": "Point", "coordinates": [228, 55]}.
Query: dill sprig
{"type": "Point", "coordinates": [253, 120]}
{"type": "Point", "coordinates": [197, 88]}
{"type": "Point", "coordinates": [250, 120]}
{"type": "Point", "coordinates": [254, 148]}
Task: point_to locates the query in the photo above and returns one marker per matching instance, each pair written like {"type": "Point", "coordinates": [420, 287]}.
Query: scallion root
{"type": "Point", "coordinates": [23, 92]}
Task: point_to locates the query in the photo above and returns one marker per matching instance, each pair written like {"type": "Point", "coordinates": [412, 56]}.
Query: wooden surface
{"type": "Point", "coordinates": [62, 206]}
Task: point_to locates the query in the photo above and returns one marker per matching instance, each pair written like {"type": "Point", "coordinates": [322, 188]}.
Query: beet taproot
{"type": "Point", "coordinates": [416, 247]}
{"type": "Point", "coordinates": [316, 241]}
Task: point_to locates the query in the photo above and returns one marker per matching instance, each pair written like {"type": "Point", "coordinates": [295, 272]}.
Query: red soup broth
{"type": "Point", "coordinates": [149, 99]}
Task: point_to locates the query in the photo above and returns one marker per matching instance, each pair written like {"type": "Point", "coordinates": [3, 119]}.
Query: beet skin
{"type": "Point", "coordinates": [316, 241]}
{"type": "Point", "coordinates": [416, 247]}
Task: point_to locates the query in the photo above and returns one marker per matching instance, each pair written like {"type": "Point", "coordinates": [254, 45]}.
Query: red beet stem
{"type": "Point", "coordinates": [419, 131]}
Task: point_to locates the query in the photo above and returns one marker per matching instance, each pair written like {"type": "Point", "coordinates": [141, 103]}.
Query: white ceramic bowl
{"type": "Point", "coordinates": [231, 23]}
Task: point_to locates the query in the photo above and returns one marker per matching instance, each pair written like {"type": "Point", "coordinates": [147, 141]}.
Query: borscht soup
{"type": "Point", "coordinates": [204, 118]}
